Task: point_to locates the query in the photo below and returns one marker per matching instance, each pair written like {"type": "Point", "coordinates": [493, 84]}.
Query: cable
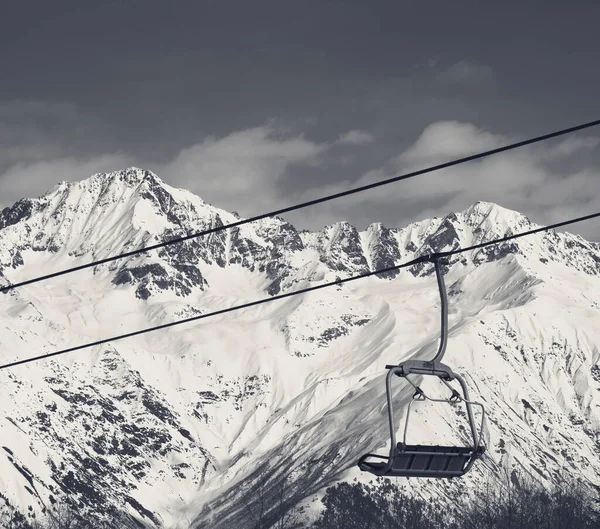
{"type": "Point", "coordinates": [305, 204]}
{"type": "Point", "coordinates": [422, 259]}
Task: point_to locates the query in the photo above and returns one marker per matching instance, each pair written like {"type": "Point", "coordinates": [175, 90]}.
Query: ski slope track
{"type": "Point", "coordinates": [207, 423]}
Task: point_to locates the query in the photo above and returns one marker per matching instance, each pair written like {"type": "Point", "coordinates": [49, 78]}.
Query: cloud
{"type": "Point", "coordinates": [446, 140]}
{"type": "Point", "coordinates": [572, 145]}
{"type": "Point", "coordinates": [463, 72]}
{"type": "Point", "coordinates": [355, 137]}
{"type": "Point", "coordinates": [240, 171]}
{"type": "Point", "coordinates": [32, 130]}
{"type": "Point", "coordinates": [521, 177]}
{"type": "Point", "coordinates": [42, 143]}
{"type": "Point", "coordinates": [27, 130]}
{"type": "Point", "coordinates": [33, 179]}
{"type": "Point", "coordinates": [250, 171]}
{"type": "Point", "coordinates": [529, 180]}
{"type": "Point", "coordinates": [243, 167]}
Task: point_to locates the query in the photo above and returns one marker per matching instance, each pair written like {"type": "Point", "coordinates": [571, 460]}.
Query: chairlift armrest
{"type": "Point", "coordinates": [420, 367]}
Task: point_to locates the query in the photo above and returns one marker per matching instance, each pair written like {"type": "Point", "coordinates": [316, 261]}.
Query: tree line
{"type": "Point", "coordinates": [508, 503]}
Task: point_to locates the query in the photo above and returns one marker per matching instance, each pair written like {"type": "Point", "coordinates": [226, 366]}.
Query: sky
{"type": "Point", "coordinates": [258, 105]}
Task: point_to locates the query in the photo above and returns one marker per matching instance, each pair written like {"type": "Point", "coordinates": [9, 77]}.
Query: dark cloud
{"type": "Point", "coordinates": [89, 86]}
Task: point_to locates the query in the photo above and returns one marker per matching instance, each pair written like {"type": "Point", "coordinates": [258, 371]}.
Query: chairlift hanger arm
{"type": "Point", "coordinates": [435, 362]}
{"type": "Point", "coordinates": [444, 312]}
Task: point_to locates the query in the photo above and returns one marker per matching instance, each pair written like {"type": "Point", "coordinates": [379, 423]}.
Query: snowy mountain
{"type": "Point", "coordinates": [206, 422]}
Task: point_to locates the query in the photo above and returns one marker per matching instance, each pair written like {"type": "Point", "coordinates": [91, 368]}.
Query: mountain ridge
{"type": "Point", "coordinates": [178, 425]}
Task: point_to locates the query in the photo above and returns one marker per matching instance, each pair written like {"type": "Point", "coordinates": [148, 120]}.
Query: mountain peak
{"type": "Point", "coordinates": [131, 176]}
{"type": "Point", "coordinates": [481, 210]}
{"type": "Point", "coordinates": [487, 220]}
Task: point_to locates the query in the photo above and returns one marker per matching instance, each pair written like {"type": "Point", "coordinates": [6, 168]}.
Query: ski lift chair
{"type": "Point", "coordinates": [428, 461]}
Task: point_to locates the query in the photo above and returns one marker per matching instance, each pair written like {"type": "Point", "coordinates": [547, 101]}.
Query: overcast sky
{"type": "Point", "coordinates": [259, 104]}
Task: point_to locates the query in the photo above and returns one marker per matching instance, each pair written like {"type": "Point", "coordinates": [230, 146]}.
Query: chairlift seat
{"type": "Point", "coordinates": [422, 461]}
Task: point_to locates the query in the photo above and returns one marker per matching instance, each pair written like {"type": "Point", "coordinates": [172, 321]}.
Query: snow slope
{"type": "Point", "coordinates": [202, 423]}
